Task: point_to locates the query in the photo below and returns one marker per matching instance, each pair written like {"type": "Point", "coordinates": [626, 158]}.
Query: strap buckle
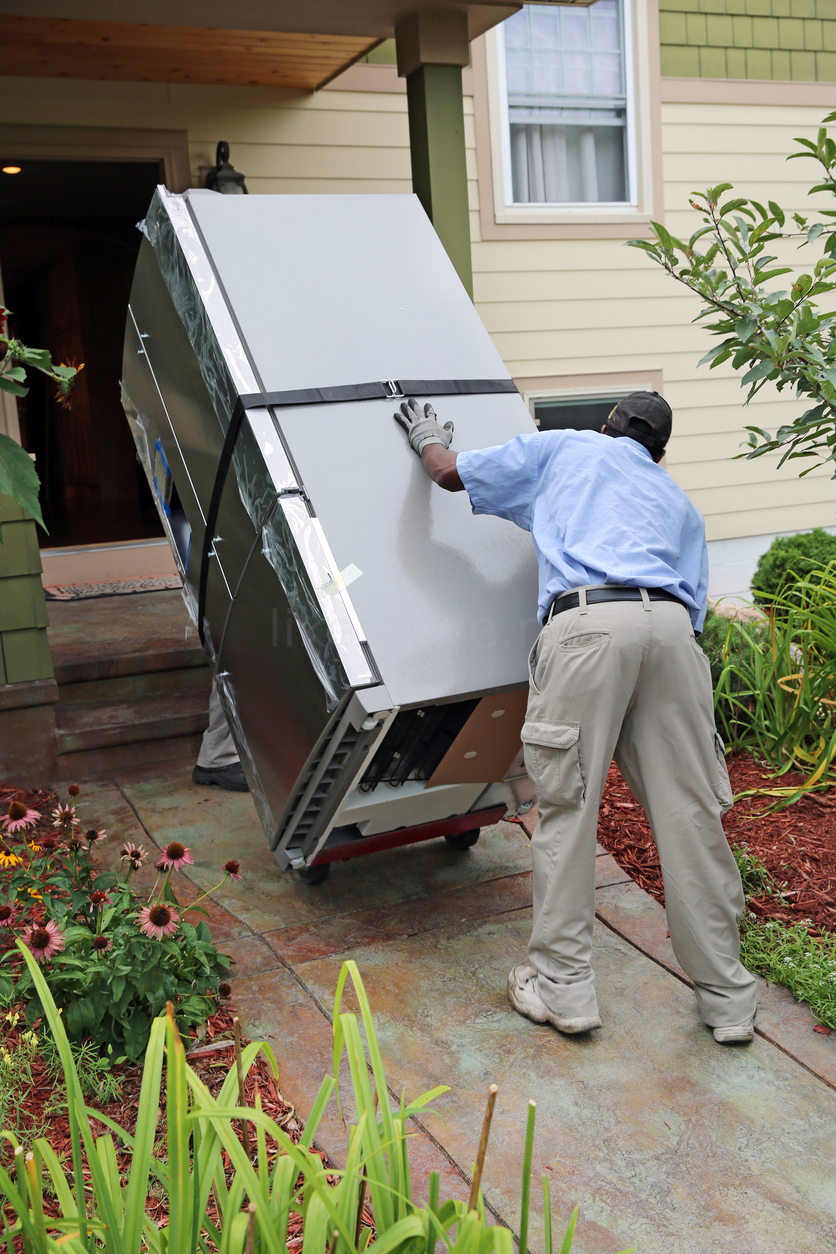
{"type": "Point", "coordinates": [394, 389]}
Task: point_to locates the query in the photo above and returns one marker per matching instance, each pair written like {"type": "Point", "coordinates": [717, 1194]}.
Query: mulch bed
{"type": "Point", "coordinates": [797, 845]}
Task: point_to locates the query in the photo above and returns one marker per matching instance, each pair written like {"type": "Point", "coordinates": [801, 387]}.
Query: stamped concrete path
{"type": "Point", "coordinates": [668, 1142]}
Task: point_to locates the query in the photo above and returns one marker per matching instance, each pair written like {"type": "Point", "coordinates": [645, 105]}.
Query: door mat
{"type": "Point", "coordinates": [113, 588]}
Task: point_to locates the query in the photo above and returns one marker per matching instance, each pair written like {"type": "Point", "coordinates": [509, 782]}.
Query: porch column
{"type": "Point", "coordinates": [432, 47]}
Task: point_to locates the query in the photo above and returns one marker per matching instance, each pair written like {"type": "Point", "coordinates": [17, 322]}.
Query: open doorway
{"type": "Point", "coordinates": [68, 247]}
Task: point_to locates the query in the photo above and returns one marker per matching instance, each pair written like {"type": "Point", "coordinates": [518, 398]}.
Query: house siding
{"type": "Point", "coordinates": [553, 307]}
{"type": "Point", "coordinates": [760, 39]}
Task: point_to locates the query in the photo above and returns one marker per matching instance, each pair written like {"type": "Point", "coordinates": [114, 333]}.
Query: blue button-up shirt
{"type": "Point", "coordinates": [599, 511]}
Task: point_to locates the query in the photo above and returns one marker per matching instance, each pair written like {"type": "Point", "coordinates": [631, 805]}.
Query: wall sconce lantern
{"type": "Point", "coordinates": [224, 178]}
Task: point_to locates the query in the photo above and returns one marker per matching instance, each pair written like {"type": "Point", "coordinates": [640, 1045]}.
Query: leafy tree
{"type": "Point", "coordinates": [18, 477]}
{"type": "Point", "coordinates": [777, 334]}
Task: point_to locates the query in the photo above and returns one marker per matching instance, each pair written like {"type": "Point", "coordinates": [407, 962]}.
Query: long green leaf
{"type": "Point", "coordinates": [180, 1199]}
{"type": "Point", "coordinates": [143, 1146]}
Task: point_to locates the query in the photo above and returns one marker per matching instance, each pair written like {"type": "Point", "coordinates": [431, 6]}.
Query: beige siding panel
{"type": "Point", "coordinates": [554, 307]}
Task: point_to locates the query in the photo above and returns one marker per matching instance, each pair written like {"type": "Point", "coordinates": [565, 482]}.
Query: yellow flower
{"type": "Point", "coordinates": [8, 859]}
{"type": "Point", "coordinates": [32, 893]}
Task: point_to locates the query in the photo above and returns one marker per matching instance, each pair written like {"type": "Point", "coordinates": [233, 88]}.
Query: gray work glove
{"type": "Point", "coordinates": [423, 430]}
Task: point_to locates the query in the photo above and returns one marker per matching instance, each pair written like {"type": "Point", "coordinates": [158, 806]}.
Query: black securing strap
{"type": "Point", "coordinates": [394, 389]}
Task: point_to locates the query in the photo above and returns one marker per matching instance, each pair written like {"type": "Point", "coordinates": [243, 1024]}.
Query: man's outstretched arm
{"type": "Point", "coordinates": [431, 442]}
{"type": "Point", "coordinates": [440, 465]}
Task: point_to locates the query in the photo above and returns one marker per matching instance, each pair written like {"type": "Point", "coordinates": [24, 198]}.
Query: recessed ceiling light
{"type": "Point", "coordinates": [11, 169]}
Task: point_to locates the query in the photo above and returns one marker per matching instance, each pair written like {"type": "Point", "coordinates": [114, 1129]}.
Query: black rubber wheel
{"type": "Point", "coordinates": [463, 840]}
{"type": "Point", "coordinates": [314, 874]}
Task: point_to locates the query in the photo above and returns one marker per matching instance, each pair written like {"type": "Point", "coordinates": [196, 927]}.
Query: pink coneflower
{"type": "Point", "coordinates": [20, 818]}
{"type": "Point", "coordinates": [99, 898]}
{"type": "Point", "coordinates": [74, 843]}
{"type": "Point", "coordinates": [93, 836]}
{"type": "Point", "coordinates": [135, 854]}
{"type": "Point", "coordinates": [45, 940]}
{"type": "Point", "coordinates": [159, 866]}
{"type": "Point", "coordinates": [8, 914]}
{"type": "Point", "coordinates": [158, 921]}
{"type": "Point", "coordinates": [101, 944]}
{"type": "Point", "coordinates": [74, 790]}
{"type": "Point", "coordinates": [233, 868]}
{"type": "Point", "coordinates": [224, 990]}
{"type": "Point", "coordinates": [175, 856]}
{"type": "Point", "coordinates": [65, 816]}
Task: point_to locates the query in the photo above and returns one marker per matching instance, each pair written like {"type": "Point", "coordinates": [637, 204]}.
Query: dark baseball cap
{"type": "Point", "coordinates": [645, 417]}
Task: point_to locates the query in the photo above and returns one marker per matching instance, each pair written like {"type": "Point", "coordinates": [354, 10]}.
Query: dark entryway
{"type": "Point", "coordinates": [68, 247]}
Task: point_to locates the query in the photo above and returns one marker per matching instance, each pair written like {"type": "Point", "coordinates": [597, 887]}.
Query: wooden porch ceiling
{"type": "Point", "coordinates": [49, 47]}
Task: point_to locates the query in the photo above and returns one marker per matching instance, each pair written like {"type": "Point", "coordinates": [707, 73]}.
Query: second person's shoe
{"type": "Point", "coordinates": [230, 778]}
{"type": "Point", "coordinates": [526, 1000]}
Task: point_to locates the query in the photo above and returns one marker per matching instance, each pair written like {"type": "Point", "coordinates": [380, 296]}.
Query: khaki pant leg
{"type": "Point", "coordinates": [217, 747]}
{"type": "Point", "coordinates": [585, 667]}
{"type": "Point", "coordinates": [667, 755]}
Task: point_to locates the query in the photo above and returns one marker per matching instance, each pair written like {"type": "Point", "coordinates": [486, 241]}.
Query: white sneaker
{"type": "Point", "coordinates": [734, 1035]}
{"type": "Point", "coordinates": [526, 1000]}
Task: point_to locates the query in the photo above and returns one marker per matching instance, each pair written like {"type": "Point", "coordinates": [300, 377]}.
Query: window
{"type": "Point", "coordinates": [565, 77]}
{"type": "Point", "coordinates": [573, 413]}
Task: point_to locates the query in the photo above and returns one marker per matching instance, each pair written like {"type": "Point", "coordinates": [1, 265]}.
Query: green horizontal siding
{"type": "Point", "coordinates": [780, 39]}
{"type": "Point", "coordinates": [24, 647]}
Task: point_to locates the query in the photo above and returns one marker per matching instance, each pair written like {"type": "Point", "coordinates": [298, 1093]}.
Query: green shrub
{"type": "Point", "coordinates": [789, 556]}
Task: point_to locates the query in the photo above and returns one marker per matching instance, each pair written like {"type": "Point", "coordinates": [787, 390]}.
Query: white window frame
{"type": "Point", "coordinates": [639, 207]}
{"type": "Point", "coordinates": [607, 391]}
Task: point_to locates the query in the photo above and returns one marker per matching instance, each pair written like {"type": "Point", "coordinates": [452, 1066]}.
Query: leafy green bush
{"type": "Point", "coordinates": [111, 956]}
{"type": "Point", "coordinates": [790, 558]}
{"type": "Point", "coordinates": [200, 1131]}
{"type": "Point", "coordinates": [720, 643]}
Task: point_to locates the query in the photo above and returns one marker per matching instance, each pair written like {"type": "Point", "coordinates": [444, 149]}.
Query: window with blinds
{"type": "Point", "coordinates": [565, 72]}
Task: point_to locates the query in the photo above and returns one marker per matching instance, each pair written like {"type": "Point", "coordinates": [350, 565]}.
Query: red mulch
{"type": "Point", "coordinates": [797, 845]}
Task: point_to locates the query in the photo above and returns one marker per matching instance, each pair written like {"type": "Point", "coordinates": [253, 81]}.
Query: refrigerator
{"type": "Point", "coordinates": [369, 636]}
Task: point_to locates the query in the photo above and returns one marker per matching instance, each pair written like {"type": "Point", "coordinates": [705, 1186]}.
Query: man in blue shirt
{"type": "Point", "coordinates": [615, 672]}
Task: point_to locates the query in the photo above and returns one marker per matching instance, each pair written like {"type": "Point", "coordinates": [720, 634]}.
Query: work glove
{"type": "Point", "coordinates": [423, 430]}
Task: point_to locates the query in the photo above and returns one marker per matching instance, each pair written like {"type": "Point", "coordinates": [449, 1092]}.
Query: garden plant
{"type": "Point", "coordinates": [18, 477]}
{"type": "Point", "coordinates": [775, 334]}
{"type": "Point", "coordinates": [112, 953]}
{"type": "Point", "coordinates": [225, 1198]}
{"type": "Point", "coordinates": [776, 692]}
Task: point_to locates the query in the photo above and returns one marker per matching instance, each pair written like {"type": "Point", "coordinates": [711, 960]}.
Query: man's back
{"type": "Point", "coordinates": [599, 510]}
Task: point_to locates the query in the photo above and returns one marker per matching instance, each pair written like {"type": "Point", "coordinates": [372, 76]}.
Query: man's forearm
{"type": "Point", "coordinates": [440, 465]}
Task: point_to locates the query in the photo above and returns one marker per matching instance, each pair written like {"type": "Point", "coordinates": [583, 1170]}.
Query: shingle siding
{"type": "Point", "coordinates": [763, 39]}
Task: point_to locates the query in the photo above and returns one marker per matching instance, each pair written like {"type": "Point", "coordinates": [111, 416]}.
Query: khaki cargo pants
{"type": "Point", "coordinates": [627, 679]}
{"type": "Point", "coordinates": [217, 748]}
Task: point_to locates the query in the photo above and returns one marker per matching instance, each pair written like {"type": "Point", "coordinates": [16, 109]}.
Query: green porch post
{"type": "Point", "coordinates": [432, 48]}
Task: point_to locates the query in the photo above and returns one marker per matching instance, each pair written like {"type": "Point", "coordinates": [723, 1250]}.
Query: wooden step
{"type": "Point", "coordinates": [103, 724]}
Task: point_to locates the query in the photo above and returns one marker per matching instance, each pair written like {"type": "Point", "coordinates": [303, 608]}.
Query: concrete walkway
{"type": "Point", "coordinates": [670, 1143]}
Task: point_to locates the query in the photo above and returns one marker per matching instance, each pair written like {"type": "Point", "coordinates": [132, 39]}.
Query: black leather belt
{"type": "Point", "coordinates": [594, 596]}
